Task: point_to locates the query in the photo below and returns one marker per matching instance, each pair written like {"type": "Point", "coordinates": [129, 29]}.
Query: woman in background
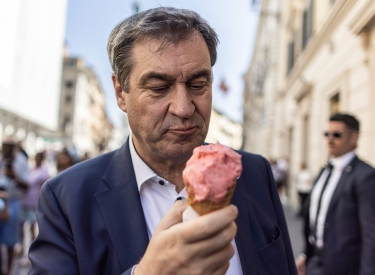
{"type": "Point", "coordinates": [38, 175]}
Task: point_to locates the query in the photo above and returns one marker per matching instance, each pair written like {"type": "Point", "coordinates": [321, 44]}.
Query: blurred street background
{"type": "Point", "coordinates": [284, 66]}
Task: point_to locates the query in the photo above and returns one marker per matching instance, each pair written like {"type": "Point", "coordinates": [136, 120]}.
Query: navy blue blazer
{"type": "Point", "coordinates": [349, 230]}
{"type": "Point", "coordinates": [91, 220]}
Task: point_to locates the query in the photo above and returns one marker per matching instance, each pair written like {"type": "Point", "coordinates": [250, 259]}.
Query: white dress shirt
{"type": "Point", "coordinates": [157, 198]}
{"type": "Point", "coordinates": [338, 165]}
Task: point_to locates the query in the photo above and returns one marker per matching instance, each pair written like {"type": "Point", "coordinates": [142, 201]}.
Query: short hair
{"type": "Point", "coordinates": [41, 154]}
{"type": "Point", "coordinates": [171, 25]}
{"type": "Point", "coordinates": [350, 121]}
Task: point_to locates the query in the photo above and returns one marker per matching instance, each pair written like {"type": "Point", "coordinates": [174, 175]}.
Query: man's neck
{"type": "Point", "coordinates": [171, 171]}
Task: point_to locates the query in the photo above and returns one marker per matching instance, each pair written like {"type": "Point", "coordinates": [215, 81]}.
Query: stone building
{"type": "Point", "coordinates": [30, 69]}
{"type": "Point", "coordinates": [261, 81]}
{"type": "Point", "coordinates": [224, 130]}
{"type": "Point", "coordinates": [83, 122]}
{"type": "Point", "coordinates": [326, 64]}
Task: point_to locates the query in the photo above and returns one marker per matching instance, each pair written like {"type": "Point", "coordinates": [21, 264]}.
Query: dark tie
{"type": "Point", "coordinates": [329, 168]}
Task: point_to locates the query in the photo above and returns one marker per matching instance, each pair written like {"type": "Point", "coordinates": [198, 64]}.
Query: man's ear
{"type": "Point", "coordinates": [120, 93]}
{"type": "Point", "coordinates": [354, 138]}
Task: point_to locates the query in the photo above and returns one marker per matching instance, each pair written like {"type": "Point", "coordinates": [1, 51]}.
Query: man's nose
{"type": "Point", "coordinates": [181, 104]}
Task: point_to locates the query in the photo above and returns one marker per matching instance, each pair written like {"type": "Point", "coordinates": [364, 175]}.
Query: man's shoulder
{"type": "Point", "coordinates": [87, 172]}
{"type": "Point", "coordinates": [254, 166]}
{"type": "Point", "coordinates": [253, 158]}
{"type": "Point", "coordinates": [363, 174]}
{"type": "Point", "coordinates": [363, 167]}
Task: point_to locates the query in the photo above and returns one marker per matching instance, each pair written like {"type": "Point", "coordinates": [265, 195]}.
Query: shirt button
{"type": "Point", "coordinates": [161, 182]}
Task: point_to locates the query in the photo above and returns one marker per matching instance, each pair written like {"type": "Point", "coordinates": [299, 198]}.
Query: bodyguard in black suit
{"type": "Point", "coordinates": [95, 218]}
{"type": "Point", "coordinates": [340, 214]}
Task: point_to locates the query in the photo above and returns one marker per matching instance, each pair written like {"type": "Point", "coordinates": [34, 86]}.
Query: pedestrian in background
{"type": "Point", "coordinates": [279, 171]}
{"type": "Point", "coordinates": [304, 183]}
{"type": "Point", "coordinates": [340, 218]}
{"type": "Point", "coordinates": [63, 160]}
{"type": "Point", "coordinates": [14, 179]}
{"type": "Point", "coordinates": [278, 174]}
{"type": "Point", "coordinates": [38, 175]}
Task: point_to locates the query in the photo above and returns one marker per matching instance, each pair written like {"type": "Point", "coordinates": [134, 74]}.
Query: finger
{"type": "Point", "coordinates": [210, 224]}
{"type": "Point", "coordinates": [216, 242]}
{"type": "Point", "coordinates": [301, 265]}
{"type": "Point", "coordinates": [222, 270]}
{"type": "Point", "coordinates": [219, 259]}
{"type": "Point", "coordinates": [173, 216]}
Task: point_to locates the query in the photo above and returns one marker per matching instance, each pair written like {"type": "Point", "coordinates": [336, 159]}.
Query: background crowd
{"type": "Point", "coordinates": [21, 179]}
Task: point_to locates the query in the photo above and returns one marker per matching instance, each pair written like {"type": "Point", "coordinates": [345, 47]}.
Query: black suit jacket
{"type": "Point", "coordinates": [91, 220]}
{"type": "Point", "coordinates": [349, 232]}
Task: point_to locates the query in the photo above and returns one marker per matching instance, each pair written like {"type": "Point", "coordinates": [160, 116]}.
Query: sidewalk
{"type": "Point", "coordinates": [295, 229]}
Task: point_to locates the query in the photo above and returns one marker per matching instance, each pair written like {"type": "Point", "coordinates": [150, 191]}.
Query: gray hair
{"type": "Point", "coordinates": [168, 24]}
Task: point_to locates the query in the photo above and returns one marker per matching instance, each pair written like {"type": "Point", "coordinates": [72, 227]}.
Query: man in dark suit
{"type": "Point", "coordinates": [121, 213]}
{"type": "Point", "coordinates": [340, 218]}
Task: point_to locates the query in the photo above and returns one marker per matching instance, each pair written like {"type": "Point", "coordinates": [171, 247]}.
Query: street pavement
{"type": "Point", "coordinates": [21, 265]}
{"type": "Point", "coordinates": [295, 229]}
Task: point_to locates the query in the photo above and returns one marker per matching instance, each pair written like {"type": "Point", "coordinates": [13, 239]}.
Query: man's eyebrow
{"type": "Point", "coordinates": [154, 76]}
{"type": "Point", "coordinates": [166, 77]}
{"type": "Point", "coordinates": [202, 73]}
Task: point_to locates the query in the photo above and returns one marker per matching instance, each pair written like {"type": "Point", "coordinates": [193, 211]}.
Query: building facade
{"type": "Point", "coordinates": [224, 130]}
{"type": "Point", "coordinates": [119, 134]}
{"type": "Point", "coordinates": [261, 80]}
{"type": "Point", "coordinates": [327, 64]}
{"type": "Point", "coordinates": [83, 122]}
{"type": "Point", "coordinates": [32, 33]}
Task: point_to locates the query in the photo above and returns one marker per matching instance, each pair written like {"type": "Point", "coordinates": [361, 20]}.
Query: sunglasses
{"type": "Point", "coordinates": [333, 134]}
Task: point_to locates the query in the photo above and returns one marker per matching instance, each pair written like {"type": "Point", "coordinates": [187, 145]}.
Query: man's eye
{"type": "Point", "coordinates": [161, 89]}
{"type": "Point", "coordinates": [198, 86]}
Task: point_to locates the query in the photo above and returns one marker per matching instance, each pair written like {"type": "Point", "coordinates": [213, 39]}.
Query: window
{"type": "Point", "coordinates": [290, 56]}
{"type": "Point", "coordinates": [307, 24]}
{"type": "Point", "coordinates": [65, 122]}
{"type": "Point", "coordinates": [335, 104]}
{"type": "Point", "coordinates": [69, 84]}
{"type": "Point", "coordinates": [68, 98]}
{"type": "Point", "coordinates": [70, 62]}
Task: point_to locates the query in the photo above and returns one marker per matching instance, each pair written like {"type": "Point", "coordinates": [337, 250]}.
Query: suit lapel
{"type": "Point", "coordinates": [341, 185]}
{"type": "Point", "coordinates": [121, 209]}
{"type": "Point", "coordinates": [244, 240]}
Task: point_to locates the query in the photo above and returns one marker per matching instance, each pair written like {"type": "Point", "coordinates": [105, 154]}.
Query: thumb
{"type": "Point", "coordinates": [173, 216]}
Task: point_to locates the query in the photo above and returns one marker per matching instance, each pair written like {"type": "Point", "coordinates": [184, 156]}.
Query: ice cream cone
{"type": "Point", "coordinates": [205, 207]}
{"type": "Point", "coordinates": [210, 177]}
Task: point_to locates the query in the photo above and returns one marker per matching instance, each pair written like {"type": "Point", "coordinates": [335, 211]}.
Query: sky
{"type": "Point", "coordinates": [89, 23]}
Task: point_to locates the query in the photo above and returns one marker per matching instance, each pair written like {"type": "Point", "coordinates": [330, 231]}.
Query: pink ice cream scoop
{"type": "Point", "coordinates": [210, 174]}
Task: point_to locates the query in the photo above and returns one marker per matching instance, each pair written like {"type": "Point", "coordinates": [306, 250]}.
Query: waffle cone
{"type": "Point", "coordinates": [205, 207]}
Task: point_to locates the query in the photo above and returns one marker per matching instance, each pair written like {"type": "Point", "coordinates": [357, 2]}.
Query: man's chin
{"type": "Point", "coordinates": [335, 154]}
{"type": "Point", "coordinates": [181, 149]}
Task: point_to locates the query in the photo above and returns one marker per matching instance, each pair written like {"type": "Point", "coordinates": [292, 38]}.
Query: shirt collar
{"type": "Point", "coordinates": [343, 160]}
{"type": "Point", "coordinates": [142, 171]}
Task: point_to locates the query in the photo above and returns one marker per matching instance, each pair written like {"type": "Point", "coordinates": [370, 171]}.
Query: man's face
{"type": "Point", "coordinates": [345, 140]}
{"type": "Point", "coordinates": [169, 99]}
